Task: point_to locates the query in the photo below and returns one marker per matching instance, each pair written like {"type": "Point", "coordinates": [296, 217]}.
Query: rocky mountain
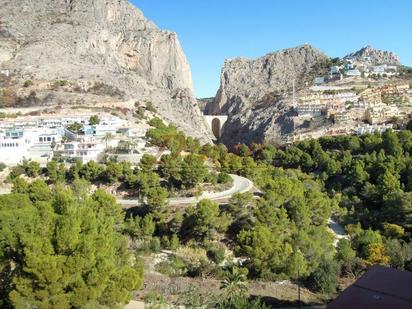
{"type": "Point", "coordinates": [90, 51]}
{"type": "Point", "coordinates": [376, 56]}
{"type": "Point", "coordinates": [256, 93]}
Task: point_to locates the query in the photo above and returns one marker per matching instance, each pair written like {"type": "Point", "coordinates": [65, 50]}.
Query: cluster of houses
{"type": "Point", "coordinates": [43, 139]}
{"type": "Point", "coordinates": [353, 112]}
{"type": "Point", "coordinates": [351, 67]}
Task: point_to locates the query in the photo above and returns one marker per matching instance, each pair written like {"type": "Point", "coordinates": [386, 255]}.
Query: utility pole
{"type": "Point", "coordinates": [298, 288]}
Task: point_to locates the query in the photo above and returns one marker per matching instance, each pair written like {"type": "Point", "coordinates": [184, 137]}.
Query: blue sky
{"type": "Point", "coordinates": [213, 30]}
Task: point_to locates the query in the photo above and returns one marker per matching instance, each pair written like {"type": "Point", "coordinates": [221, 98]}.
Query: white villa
{"type": "Point", "coordinates": [86, 149]}
{"type": "Point", "coordinates": [17, 144]}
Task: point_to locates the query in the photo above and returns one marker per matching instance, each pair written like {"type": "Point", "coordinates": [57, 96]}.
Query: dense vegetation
{"type": "Point", "coordinates": [62, 248]}
{"type": "Point", "coordinates": [363, 182]}
{"type": "Point", "coordinates": [371, 177]}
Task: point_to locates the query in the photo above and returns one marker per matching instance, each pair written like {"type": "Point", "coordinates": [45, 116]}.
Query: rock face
{"type": "Point", "coordinates": [256, 93]}
{"type": "Point", "coordinates": [108, 42]}
{"type": "Point", "coordinates": [376, 56]}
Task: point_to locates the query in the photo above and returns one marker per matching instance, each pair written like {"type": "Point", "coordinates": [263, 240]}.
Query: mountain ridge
{"type": "Point", "coordinates": [104, 42]}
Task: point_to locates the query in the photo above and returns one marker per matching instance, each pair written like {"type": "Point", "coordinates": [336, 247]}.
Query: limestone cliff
{"type": "Point", "coordinates": [255, 93]}
{"type": "Point", "coordinates": [375, 56]}
{"type": "Point", "coordinates": [104, 44]}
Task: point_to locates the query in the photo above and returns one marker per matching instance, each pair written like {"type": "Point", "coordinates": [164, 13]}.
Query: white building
{"type": "Point", "coordinates": [353, 73]}
{"type": "Point", "coordinates": [335, 70]}
{"type": "Point", "coordinates": [85, 149]}
{"type": "Point", "coordinates": [370, 129]}
{"type": "Point", "coordinates": [17, 144]}
{"type": "Point", "coordinates": [311, 110]}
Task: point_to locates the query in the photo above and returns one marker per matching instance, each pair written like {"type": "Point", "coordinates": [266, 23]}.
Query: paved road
{"type": "Point", "coordinates": [337, 230]}
{"type": "Point", "coordinates": [240, 185]}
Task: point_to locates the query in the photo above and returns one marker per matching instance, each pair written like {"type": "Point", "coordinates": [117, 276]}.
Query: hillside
{"type": "Point", "coordinates": [332, 96]}
{"type": "Point", "coordinates": [86, 53]}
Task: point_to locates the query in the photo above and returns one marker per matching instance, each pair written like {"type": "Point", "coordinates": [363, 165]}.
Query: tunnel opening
{"type": "Point", "coordinates": [216, 127]}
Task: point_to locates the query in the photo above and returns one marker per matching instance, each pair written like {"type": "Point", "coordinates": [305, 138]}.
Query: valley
{"type": "Point", "coordinates": [120, 189]}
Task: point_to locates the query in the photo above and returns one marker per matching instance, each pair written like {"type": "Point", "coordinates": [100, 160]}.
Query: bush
{"type": "Point", "coordinates": [31, 168]}
{"type": "Point", "coordinates": [216, 252]}
{"type": "Point", "coordinates": [140, 112]}
{"type": "Point", "coordinates": [154, 245]}
{"type": "Point", "coordinates": [150, 107]}
{"type": "Point", "coordinates": [28, 83]}
{"type": "Point", "coordinates": [174, 268]}
{"type": "Point", "coordinates": [2, 166]}
{"type": "Point", "coordinates": [224, 178]}
{"type": "Point", "coordinates": [15, 172]}
{"type": "Point", "coordinates": [75, 127]}
{"type": "Point", "coordinates": [94, 120]}
{"type": "Point", "coordinates": [325, 278]}
{"type": "Point", "coordinates": [195, 259]}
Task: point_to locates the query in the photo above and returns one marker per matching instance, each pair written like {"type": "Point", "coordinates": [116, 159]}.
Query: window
{"type": "Point", "coordinates": [40, 139]}
{"type": "Point", "coordinates": [49, 139]}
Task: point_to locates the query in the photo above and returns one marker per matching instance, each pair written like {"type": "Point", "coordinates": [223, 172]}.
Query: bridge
{"type": "Point", "coordinates": [215, 123]}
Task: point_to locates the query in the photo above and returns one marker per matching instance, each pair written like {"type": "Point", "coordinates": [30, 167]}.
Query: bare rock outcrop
{"type": "Point", "coordinates": [108, 42]}
{"type": "Point", "coordinates": [375, 56]}
{"type": "Point", "coordinates": [256, 93]}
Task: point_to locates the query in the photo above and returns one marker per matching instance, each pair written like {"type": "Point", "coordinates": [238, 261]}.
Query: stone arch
{"type": "Point", "coordinates": [216, 127]}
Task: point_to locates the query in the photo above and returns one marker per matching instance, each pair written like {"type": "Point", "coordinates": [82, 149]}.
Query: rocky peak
{"type": "Point", "coordinates": [109, 41]}
{"type": "Point", "coordinates": [245, 82]}
{"type": "Point", "coordinates": [375, 56]}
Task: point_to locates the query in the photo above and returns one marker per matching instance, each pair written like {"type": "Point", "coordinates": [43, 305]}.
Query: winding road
{"type": "Point", "coordinates": [240, 185]}
{"type": "Point", "coordinates": [337, 230]}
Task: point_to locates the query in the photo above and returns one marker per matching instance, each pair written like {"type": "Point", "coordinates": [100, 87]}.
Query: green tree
{"type": "Point", "coordinates": [267, 253]}
{"type": "Point", "coordinates": [94, 120]}
{"type": "Point", "coordinates": [20, 185]}
{"type": "Point", "coordinates": [113, 172]}
{"type": "Point", "coordinates": [31, 168]}
{"type": "Point", "coordinates": [151, 191]}
{"type": "Point", "coordinates": [91, 171]}
{"type": "Point", "coordinates": [398, 209]}
{"type": "Point", "coordinates": [200, 222]}
{"type": "Point", "coordinates": [75, 127]}
{"type": "Point", "coordinates": [107, 138]}
{"type": "Point", "coordinates": [147, 163]}
{"type": "Point", "coordinates": [56, 171]}
{"type": "Point", "coordinates": [193, 171]}
{"type": "Point", "coordinates": [234, 283]}
{"type": "Point", "coordinates": [393, 230]}
{"type": "Point", "coordinates": [61, 253]}
{"type": "Point", "coordinates": [325, 278]}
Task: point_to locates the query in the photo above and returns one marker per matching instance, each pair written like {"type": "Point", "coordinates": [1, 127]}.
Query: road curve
{"type": "Point", "coordinates": [337, 230]}
{"type": "Point", "coordinates": [240, 185]}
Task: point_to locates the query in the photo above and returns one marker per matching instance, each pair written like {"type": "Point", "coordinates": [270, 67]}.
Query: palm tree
{"type": "Point", "coordinates": [108, 137]}
{"type": "Point", "coordinates": [235, 284]}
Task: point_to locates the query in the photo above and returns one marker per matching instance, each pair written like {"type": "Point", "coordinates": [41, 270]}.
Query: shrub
{"type": "Point", "coordinates": [2, 166]}
{"type": "Point", "coordinates": [93, 120]}
{"type": "Point", "coordinates": [216, 252]}
{"type": "Point", "coordinates": [140, 112]}
{"type": "Point", "coordinates": [150, 107]}
{"type": "Point", "coordinates": [154, 245]}
{"type": "Point", "coordinates": [28, 83]}
{"type": "Point", "coordinates": [224, 178]}
{"type": "Point", "coordinates": [325, 278]}
{"type": "Point", "coordinates": [15, 172]}
{"type": "Point", "coordinates": [75, 127]}
{"type": "Point", "coordinates": [393, 230]}
{"type": "Point", "coordinates": [173, 268]}
{"type": "Point", "coordinates": [195, 259]}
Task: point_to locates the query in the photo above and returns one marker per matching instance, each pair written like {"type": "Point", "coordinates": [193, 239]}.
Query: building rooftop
{"type": "Point", "coordinates": [379, 287]}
